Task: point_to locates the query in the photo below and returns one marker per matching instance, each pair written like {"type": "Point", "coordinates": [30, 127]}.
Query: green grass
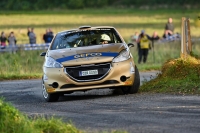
{"type": "Point", "coordinates": [22, 65]}
{"type": "Point", "coordinates": [13, 121]}
{"type": "Point", "coordinates": [28, 64]}
{"type": "Point", "coordinates": [127, 21]}
{"type": "Point", "coordinates": [178, 76]}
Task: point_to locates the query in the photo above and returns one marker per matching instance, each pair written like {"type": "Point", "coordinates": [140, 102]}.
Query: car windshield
{"type": "Point", "coordinates": [82, 38]}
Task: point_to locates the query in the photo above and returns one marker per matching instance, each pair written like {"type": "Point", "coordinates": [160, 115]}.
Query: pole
{"type": "Point", "coordinates": [153, 50]}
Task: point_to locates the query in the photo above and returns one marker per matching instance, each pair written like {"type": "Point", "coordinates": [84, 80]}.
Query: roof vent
{"type": "Point", "coordinates": [84, 27]}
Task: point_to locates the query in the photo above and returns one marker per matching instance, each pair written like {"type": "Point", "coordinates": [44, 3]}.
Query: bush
{"type": "Point", "coordinates": [179, 76]}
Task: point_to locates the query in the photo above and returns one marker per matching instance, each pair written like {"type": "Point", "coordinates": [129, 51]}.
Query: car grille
{"type": "Point", "coordinates": [73, 72]}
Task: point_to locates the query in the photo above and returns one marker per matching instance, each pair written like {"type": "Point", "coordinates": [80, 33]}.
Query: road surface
{"type": "Point", "coordinates": [107, 110]}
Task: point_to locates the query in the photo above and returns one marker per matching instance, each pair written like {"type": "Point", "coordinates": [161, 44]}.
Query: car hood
{"type": "Point", "coordinates": [87, 55]}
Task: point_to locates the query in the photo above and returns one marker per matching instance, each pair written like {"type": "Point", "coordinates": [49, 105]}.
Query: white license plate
{"type": "Point", "coordinates": [89, 72]}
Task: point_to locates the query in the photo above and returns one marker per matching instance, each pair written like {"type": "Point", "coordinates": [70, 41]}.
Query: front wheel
{"type": "Point", "coordinates": [136, 84]}
{"type": "Point", "coordinates": [47, 96]}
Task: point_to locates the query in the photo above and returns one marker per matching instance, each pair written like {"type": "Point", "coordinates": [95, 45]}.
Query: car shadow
{"type": "Point", "coordinates": [92, 94]}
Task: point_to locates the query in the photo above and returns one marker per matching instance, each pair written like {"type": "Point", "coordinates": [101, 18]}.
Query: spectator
{"type": "Point", "coordinates": [134, 37]}
{"type": "Point", "coordinates": [3, 40]}
{"type": "Point", "coordinates": [48, 36]}
{"type": "Point", "coordinates": [144, 46]}
{"type": "Point", "coordinates": [50, 31]}
{"type": "Point", "coordinates": [45, 36]}
{"type": "Point", "coordinates": [51, 35]}
{"type": "Point", "coordinates": [12, 42]}
{"type": "Point", "coordinates": [169, 28]}
{"type": "Point", "coordinates": [32, 37]}
{"type": "Point", "coordinates": [155, 36]}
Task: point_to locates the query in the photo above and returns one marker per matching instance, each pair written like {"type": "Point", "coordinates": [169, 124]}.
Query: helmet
{"type": "Point", "coordinates": [105, 37]}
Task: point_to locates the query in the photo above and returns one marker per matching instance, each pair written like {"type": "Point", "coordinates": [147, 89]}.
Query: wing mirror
{"type": "Point", "coordinates": [43, 54]}
{"type": "Point", "coordinates": [130, 45]}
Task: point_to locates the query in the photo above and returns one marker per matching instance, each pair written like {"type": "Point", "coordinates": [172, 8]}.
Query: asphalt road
{"type": "Point", "coordinates": [106, 110]}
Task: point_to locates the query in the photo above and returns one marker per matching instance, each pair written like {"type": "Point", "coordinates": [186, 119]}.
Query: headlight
{"type": "Point", "coordinates": [124, 55]}
{"type": "Point", "coordinates": [50, 62]}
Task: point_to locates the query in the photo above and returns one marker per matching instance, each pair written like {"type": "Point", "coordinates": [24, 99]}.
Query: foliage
{"type": "Point", "coordinates": [53, 125]}
{"type": "Point", "coordinates": [179, 76]}
{"type": "Point", "coordinates": [12, 121]}
{"type": "Point", "coordinates": [79, 4]}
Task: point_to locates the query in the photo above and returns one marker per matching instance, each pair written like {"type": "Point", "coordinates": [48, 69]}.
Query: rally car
{"type": "Point", "coordinates": [88, 58]}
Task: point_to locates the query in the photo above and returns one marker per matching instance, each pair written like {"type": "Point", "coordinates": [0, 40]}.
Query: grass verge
{"type": "Point", "coordinates": [20, 76]}
{"type": "Point", "coordinates": [12, 121]}
{"type": "Point", "coordinates": [178, 76]}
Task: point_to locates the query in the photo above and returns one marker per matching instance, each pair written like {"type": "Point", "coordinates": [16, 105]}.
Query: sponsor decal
{"type": "Point", "coordinates": [87, 56]}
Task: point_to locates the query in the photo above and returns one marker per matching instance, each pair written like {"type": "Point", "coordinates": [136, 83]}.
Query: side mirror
{"type": "Point", "coordinates": [43, 54]}
{"type": "Point", "coordinates": [130, 45]}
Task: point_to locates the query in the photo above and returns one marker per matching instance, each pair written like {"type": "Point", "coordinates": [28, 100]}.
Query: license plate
{"type": "Point", "coordinates": [89, 72]}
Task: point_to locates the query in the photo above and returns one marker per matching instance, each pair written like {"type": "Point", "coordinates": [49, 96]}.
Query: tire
{"type": "Point", "coordinates": [136, 84]}
{"type": "Point", "coordinates": [47, 96]}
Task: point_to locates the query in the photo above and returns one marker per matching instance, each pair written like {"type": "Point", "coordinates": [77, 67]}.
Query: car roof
{"type": "Point", "coordinates": [86, 27]}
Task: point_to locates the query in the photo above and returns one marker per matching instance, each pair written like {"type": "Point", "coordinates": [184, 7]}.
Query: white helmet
{"type": "Point", "coordinates": [105, 37]}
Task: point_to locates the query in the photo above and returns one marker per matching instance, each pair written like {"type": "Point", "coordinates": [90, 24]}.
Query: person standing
{"type": "Point", "coordinates": [32, 37]}
{"type": "Point", "coordinates": [135, 37]}
{"type": "Point", "coordinates": [169, 28]}
{"type": "Point", "coordinates": [3, 40]}
{"type": "Point", "coordinates": [144, 44]}
{"type": "Point", "coordinates": [51, 35]}
{"type": "Point", "coordinates": [12, 42]}
{"type": "Point", "coordinates": [45, 36]}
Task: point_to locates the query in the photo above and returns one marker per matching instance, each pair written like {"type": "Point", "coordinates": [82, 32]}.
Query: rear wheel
{"type": "Point", "coordinates": [47, 96]}
{"type": "Point", "coordinates": [136, 84]}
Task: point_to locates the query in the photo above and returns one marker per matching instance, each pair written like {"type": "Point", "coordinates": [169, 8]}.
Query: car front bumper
{"type": "Point", "coordinates": [56, 79]}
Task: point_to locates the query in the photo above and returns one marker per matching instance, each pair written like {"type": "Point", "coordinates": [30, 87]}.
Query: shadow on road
{"type": "Point", "coordinates": [93, 94]}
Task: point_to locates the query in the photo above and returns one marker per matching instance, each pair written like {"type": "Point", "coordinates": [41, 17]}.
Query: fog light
{"type": "Point", "coordinates": [51, 90]}
{"type": "Point", "coordinates": [128, 82]}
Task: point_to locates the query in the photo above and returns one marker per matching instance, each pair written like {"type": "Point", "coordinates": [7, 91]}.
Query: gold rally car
{"type": "Point", "coordinates": [88, 58]}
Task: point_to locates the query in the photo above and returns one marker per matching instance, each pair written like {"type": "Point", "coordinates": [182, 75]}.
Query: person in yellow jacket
{"type": "Point", "coordinates": [143, 46]}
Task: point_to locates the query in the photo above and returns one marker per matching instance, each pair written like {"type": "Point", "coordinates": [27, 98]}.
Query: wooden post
{"type": "Point", "coordinates": [186, 45]}
{"type": "Point", "coordinates": [183, 49]}
{"type": "Point", "coordinates": [189, 36]}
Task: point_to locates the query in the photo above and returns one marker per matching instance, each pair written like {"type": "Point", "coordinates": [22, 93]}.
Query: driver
{"type": "Point", "coordinates": [104, 39]}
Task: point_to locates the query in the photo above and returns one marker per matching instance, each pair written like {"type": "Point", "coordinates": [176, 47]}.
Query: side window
{"type": "Point", "coordinates": [55, 43]}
